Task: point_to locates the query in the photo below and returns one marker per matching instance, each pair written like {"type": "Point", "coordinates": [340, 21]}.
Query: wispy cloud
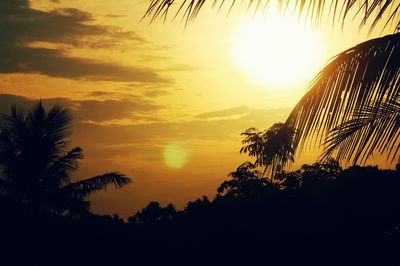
{"type": "Point", "coordinates": [23, 28]}
{"type": "Point", "coordinates": [226, 113]}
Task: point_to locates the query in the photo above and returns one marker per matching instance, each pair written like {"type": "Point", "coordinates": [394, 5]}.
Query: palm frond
{"type": "Point", "coordinates": [58, 124]}
{"type": "Point", "coordinates": [15, 124]}
{"type": "Point", "coordinates": [59, 171]}
{"type": "Point", "coordinates": [373, 128]}
{"type": "Point", "coordinates": [312, 9]}
{"type": "Point", "coordinates": [53, 125]}
{"type": "Point", "coordinates": [367, 73]}
{"type": "Point", "coordinates": [86, 187]}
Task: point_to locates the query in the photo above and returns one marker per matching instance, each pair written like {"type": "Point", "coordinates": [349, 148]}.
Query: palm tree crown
{"type": "Point", "coordinates": [35, 166]}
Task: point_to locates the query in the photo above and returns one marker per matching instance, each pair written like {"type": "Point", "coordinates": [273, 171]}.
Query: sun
{"type": "Point", "coordinates": [278, 51]}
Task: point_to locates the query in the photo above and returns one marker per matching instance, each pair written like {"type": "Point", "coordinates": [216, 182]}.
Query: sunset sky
{"type": "Point", "coordinates": [161, 103]}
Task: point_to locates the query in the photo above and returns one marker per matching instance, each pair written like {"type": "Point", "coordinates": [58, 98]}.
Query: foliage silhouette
{"type": "Point", "coordinates": [361, 80]}
{"type": "Point", "coordinates": [313, 9]}
{"type": "Point", "coordinates": [245, 181]}
{"type": "Point", "coordinates": [36, 167]}
{"type": "Point", "coordinates": [153, 213]}
{"type": "Point", "coordinates": [316, 215]}
{"type": "Point", "coordinates": [272, 148]}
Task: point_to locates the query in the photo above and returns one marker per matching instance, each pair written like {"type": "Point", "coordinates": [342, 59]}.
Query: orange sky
{"type": "Point", "coordinates": [143, 94]}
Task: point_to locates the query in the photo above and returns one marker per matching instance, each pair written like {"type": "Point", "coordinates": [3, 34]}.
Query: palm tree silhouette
{"type": "Point", "coordinates": [35, 166]}
{"type": "Point", "coordinates": [346, 86]}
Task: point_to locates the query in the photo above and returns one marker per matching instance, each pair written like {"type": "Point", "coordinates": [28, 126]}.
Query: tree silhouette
{"type": "Point", "coordinates": [310, 175]}
{"type": "Point", "coordinates": [36, 167]}
{"type": "Point", "coordinates": [153, 213]}
{"type": "Point", "coordinates": [366, 73]}
{"type": "Point", "coordinates": [246, 180]}
{"type": "Point", "coordinates": [272, 148]}
{"type": "Point", "coordinates": [290, 181]}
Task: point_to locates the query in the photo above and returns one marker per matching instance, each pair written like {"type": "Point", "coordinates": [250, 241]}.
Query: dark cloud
{"type": "Point", "coordinates": [182, 67]}
{"type": "Point", "coordinates": [22, 26]}
{"type": "Point", "coordinates": [100, 111]}
{"type": "Point", "coordinates": [96, 111]}
{"type": "Point", "coordinates": [226, 113]}
{"type": "Point", "coordinates": [101, 94]}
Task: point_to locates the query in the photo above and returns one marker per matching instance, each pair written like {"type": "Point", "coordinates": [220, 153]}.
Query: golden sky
{"type": "Point", "coordinates": [162, 103]}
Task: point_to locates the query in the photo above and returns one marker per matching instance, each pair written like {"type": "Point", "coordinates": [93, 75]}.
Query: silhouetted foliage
{"type": "Point", "coordinates": [245, 180]}
{"type": "Point", "coordinates": [153, 213]}
{"type": "Point", "coordinates": [36, 166]}
{"type": "Point", "coordinates": [317, 214]}
{"type": "Point", "coordinates": [312, 9]}
{"type": "Point", "coordinates": [273, 148]}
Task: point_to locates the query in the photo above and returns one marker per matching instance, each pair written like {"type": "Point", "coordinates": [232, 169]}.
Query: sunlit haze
{"type": "Point", "coordinates": [163, 103]}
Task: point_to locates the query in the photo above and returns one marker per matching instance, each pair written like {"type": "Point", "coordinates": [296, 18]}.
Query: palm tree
{"type": "Point", "coordinates": [35, 166]}
{"type": "Point", "coordinates": [272, 148]}
{"type": "Point", "coordinates": [345, 88]}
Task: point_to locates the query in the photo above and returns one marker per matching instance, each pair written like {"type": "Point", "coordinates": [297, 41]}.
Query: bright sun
{"type": "Point", "coordinates": [278, 51]}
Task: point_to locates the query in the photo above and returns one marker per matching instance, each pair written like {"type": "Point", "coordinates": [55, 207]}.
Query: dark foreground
{"type": "Point", "coordinates": [317, 215]}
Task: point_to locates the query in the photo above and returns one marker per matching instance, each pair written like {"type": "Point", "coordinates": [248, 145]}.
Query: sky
{"type": "Point", "coordinates": [163, 103]}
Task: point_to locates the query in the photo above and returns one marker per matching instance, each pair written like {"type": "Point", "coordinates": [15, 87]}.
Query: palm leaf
{"type": "Point", "coordinates": [59, 171]}
{"type": "Point", "coordinates": [54, 126]}
{"type": "Point", "coordinates": [58, 125]}
{"type": "Point", "coordinates": [313, 9]}
{"type": "Point", "coordinates": [88, 186]}
{"type": "Point", "coordinates": [373, 128]}
{"type": "Point", "coordinates": [367, 73]}
{"type": "Point", "coordinates": [15, 124]}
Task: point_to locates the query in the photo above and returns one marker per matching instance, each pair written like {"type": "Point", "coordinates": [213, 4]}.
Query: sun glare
{"type": "Point", "coordinates": [278, 51]}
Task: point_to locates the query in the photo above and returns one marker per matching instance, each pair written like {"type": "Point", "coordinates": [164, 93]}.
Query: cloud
{"type": "Point", "coordinates": [182, 67]}
{"type": "Point", "coordinates": [100, 111]}
{"type": "Point", "coordinates": [97, 121]}
{"type": "Point", "coordinates": [96, 111]}
{"type": "Point", "coordinates": [24, 29]}
{"type": "Point", "coordinates": [226, 113]}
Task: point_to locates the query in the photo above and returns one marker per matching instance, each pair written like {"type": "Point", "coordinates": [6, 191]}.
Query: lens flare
{"type": "Point", "coordinates": [175, 155]}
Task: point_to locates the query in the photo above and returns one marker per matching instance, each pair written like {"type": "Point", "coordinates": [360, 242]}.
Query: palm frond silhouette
{"type": "Point", "coordinates": [314, 9]}
{"type": "Point", "coordinates": [363, 75]}
{"type": "Point", "coordinates": [337, 106]}
{"type": "Point", "coordinates": [374, 127]}
{"type": "Point", "coordinates": [36, 167]}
